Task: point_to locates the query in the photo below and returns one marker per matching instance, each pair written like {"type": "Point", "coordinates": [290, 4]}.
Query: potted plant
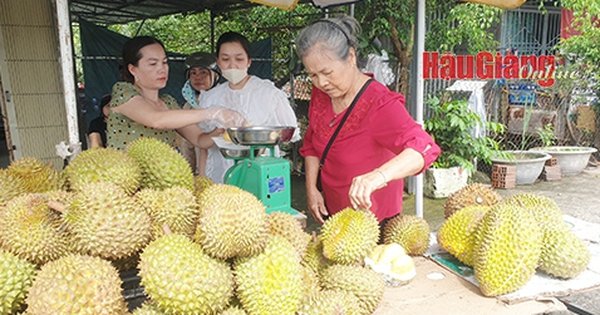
{"type": "Point", "coordinates": [454, 126]}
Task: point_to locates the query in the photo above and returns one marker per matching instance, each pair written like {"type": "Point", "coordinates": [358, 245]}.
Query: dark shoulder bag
{"type": "Point", "coordinates": [337, 130]}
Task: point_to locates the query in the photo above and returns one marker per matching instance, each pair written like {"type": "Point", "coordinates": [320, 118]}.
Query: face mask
{"type": "Point", "coordinates": [235, 75]}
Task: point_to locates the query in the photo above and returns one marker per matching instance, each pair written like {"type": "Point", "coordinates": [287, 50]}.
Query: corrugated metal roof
{"type": "Point", "coordinates": [123, 11]}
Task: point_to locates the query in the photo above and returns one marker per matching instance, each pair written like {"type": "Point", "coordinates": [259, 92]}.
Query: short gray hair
{"type": "Point", "coordinates": [335, 34]}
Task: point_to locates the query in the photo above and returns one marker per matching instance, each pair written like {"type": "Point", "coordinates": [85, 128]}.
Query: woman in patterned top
{"type": "Point", "coordinates": [137, 109]}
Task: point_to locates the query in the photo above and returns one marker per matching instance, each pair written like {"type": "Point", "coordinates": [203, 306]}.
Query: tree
{"type": "Point", "coordinates": [187, 33]}
{"type": "Point", "coordinates": [584, 49]}
{"type": "Point", "coordinates": [465, 26]}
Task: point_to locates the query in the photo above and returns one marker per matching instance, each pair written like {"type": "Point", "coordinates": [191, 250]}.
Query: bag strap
{"type": "Point", "coordinates": [339, 127]}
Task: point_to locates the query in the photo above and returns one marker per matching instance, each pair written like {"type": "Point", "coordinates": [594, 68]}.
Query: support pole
{"type": "Point", "coordinates": [68, 73]}
{"type": "Point", "coordinates": [419, 96]}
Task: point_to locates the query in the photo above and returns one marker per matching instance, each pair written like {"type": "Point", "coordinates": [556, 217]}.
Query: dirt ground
{"type": "Point", "coordinates": [578, 196]}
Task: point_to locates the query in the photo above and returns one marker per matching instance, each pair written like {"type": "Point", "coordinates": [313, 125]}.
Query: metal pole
{"type": "Point", "coordinates": [68, 72]}
{"type": "Point", "coordinates": [419, 96]}
{"type": "Point", "coordinates": [352, 10]}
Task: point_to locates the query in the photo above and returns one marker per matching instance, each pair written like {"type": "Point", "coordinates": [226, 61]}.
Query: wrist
{"type": "Point", "coordinates": [383, 177]}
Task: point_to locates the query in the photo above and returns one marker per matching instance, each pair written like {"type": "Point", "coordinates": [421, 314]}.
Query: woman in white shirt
{"type": "Point", "coordinates": [258, 100]}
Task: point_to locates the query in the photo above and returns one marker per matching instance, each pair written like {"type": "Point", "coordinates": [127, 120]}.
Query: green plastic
{"type": "Point", "coordinates": [267, 178]}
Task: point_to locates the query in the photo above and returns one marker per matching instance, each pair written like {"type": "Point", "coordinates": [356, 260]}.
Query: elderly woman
{"type": "Point", "coordinates": [361, 142]}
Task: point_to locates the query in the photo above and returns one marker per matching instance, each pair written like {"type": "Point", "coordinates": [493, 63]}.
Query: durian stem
{"type": "Point", "coordinates": [57, 206]}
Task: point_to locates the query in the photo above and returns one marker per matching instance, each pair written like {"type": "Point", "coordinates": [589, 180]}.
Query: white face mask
{"type": "Point", "coordinates": [235, 75]}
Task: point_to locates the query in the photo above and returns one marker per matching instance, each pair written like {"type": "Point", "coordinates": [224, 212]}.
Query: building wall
{"type": "Point", "coordinates": [30, 72]}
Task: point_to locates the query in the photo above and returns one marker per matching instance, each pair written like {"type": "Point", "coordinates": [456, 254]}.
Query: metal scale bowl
{"type": "Point", "coordinates": [264, 175]}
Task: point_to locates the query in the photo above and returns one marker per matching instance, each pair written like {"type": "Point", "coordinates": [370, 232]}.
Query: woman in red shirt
{"type": "Point", "coordinates": [378, 145]}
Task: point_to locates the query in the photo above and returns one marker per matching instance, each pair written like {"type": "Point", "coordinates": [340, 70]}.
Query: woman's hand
{"type": "Point", "coordinates": [316, 204]}
{"type": "Point", "coordinates": [363, 186]}
{"type": "Point", "coordinates": [226, 117]}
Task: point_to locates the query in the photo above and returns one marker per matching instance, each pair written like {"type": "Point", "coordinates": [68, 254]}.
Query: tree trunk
{"type": "Point", "coordinates": [403, 52]}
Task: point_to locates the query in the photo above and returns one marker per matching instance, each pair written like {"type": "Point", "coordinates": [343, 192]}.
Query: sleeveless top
{"type": "Point", "coordinates": [121, 130]}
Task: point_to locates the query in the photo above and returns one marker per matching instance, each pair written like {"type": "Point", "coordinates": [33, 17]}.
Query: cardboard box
{"type": "Point", "coordinates": [436, 290]}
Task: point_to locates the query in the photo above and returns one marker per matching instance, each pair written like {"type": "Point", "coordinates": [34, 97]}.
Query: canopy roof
{"type": "Point", "coordinates": [123, 11]}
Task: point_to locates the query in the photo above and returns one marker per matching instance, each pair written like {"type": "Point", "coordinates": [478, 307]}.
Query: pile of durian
{"type": "Point", "coordinates": [506, 241]}
{"type": "Point", "coordinates": [199, 248]}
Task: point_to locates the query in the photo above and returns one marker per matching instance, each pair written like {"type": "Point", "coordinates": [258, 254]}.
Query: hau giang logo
{"type": "Point", "coordinates": [486, 66]}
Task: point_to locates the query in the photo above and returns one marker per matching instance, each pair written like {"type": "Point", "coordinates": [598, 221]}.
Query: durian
{"type": "Point", "coordinates": [103, 165]}
{"type": "Point", "coordinates": [365, 284]}
{"type": "Point", "coordinates": [33, 231]}
{"type": "Point", "coordinates": [77, 284]}
{"type": "Point", "coordinates": [564, 255]}
{"type": "Point", "coordinates": [10, 187]}
{"type": "Point", "coordinates": [457, 233]}
{"type": "Point", "coordinates": [147, 309]}
{"type": "Point", "coordinates": [472, 194]}
{"type": "Point", "coordinates": [106, 222]}
{"type": "Point", "coordinates": [507, 249]}
{"type": "Point", "coordinates": [176, 207]}
{"type": "Point", "coordinates": [271, 282]}
{"type": "Point", "coordinates": [349, 235]}
{"type": "Point", "coordinates": [200, 184]}
{"type": "Point", "coordinates": [233, 310]}
{"type": "Point", "coordinates": [180, 279]}
{"type": "Point", "coordinates": [409, 231]}
{"type": "Point", "coordinates": [16, 277]}
{"type": "Point", "coordinates": [544, 209]}
{"type": "Point", "coordinates": [35, 175]}
{"type": "Point", "coordinates": [161, 166]}
{"type": "Point", "coordinates": [331, 302]}
{"type": "Point", "coordinates": [288, 227]}
{"type": "Point", "coordinates": [313, 257]}
{"type": "Point", "coordinates": [232, 222]}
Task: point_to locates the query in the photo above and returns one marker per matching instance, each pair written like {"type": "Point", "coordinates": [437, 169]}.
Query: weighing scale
{"type": "Point", "coordinates": [265, 176]}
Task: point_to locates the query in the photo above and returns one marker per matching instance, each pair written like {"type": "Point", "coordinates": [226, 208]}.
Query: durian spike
{"type": "Point", "coordinates": [166, 229]}
{"type": "Point", "coordinates": [57, 206]}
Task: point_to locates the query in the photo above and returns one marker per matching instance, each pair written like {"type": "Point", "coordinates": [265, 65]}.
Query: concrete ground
{"type": "Point", "coordinates": [578, 196]}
